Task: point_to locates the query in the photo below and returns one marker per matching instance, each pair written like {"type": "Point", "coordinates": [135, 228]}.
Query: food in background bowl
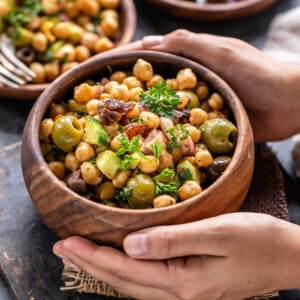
{"type": "Point", "coordinates": [52, 37]}
{"type": "Point", "coordinates": [67, 212]}
{"type": "Point", "coordinates": [138, 140]}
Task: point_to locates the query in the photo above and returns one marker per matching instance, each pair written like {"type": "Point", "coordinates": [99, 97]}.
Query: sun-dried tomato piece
{"type": "Point", "coordinates": [110, 111]}
{"type": "Point", "coordinates": [133, 129]}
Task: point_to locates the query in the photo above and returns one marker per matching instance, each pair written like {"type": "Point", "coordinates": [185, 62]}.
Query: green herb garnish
{"type": "Point", "coordinates": [127, 162]}
{"type": "Point", "coordinates": [166, 183]}
{"type": "Point", "coordinates": [161, 100]}
{"type": "Point", "coordinates": [122, 195]}
{"type": "Point", "coordinates": [157, 149]}
{"type": "Point", "coordinates": [132, 146]}
{"type": "Point", "coordinates": [177, 133]}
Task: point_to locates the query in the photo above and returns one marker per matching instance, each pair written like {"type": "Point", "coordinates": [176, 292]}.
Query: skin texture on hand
{"type": "Point", "coordinates": [269, 89]}
{"type": "Point", "coordinates": [232, 256]}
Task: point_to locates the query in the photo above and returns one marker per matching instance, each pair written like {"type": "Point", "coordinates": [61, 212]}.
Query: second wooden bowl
{"type": "Point", "coordinates": [68, 213]}
{"type": "Point", "coordinates": [212, 11]}
{"type": "Point", "coordinates": [128, 20]}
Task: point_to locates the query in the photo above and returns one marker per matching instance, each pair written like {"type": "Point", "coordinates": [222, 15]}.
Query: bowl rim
{"type": "Point", "coordinates": [212, 11]}
{"type": "Point", "coordinates": [41, 105]}
{"type": "Point", "coordinates": [31, 91]}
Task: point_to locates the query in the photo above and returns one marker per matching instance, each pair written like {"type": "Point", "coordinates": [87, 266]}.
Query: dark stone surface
{"type": "Point", "coordinates": [253, 29]}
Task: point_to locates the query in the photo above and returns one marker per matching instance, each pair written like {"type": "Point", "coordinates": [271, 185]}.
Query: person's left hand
{"type": "Point", "coordinates": [231, 256]}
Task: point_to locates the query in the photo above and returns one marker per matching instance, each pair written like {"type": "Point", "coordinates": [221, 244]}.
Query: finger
{"type": "Point", "coordinates": [137, 45]}
{"type": "Point", "coordinates": [206, 237]}
{"type": "Point", "coordinates": [221, 54]}
{"type": "Point", "coordinates": [103, 262]}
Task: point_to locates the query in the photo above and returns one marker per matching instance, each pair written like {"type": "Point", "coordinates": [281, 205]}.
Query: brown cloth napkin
{"type": "Point", "coordinates": [266, 195]}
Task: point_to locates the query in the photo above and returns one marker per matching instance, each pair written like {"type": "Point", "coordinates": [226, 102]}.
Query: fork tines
{"type": "Point", "coordinates": [13, 72]}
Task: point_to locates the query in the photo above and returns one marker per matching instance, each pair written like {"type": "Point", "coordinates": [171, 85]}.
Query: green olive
{"type": "Point", "coordinates": [193, 101]}
{"type": "Point", "coordinates": [219, 135]}
{"type": "Point", "coordinates": [143, 191]}
{"type": "Point", "coordinates": [66, 133]}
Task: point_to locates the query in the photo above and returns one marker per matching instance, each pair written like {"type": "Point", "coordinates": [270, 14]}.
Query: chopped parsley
{"type": "Point", "coordinates": [157, 149]}
{"type": "Point", "coordinates": [177, 133]}
{"type": "Point", "coordinates": [161, 100]}
{"type": "Point", "coordinates": [166, 183]}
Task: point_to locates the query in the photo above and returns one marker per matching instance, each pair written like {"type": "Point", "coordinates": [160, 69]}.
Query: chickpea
{"type": "Point", "coordinates": [150, 119]}
{"type": "Point", "coordinates": [89, 40]}
{"type": "Point", "coordinates": [109, 13]}
{"type": "Point", "coordinates": [66, 53]}
{"type": "Point", "coordinates": [148, 164]}
{"type": "Point", "coordinates": [189, 189]}
{"type": "Point", "coordinates": [109, 85]}
{"type": "Point", "coordinates": [203, 158]}
{"type": "Point", "coordinates": [172, 83]}
{"type": "Point", "coordinates": [115, 144]}
{"type": "Point", "coordinates": [83, 20]}
{"type": "Point", "coordinates": [39, 71]}
{"type": "Point", "coordinates": [177, 155]}
{"type": "Point", "coordinates": [71, 161]}
{"type": "Point", "coordinates": [106, 191]}
{"type": "Point", "coordinates": [215, 101]}
{"type": "Point", "coordinates": [56, 110]}
{"type": "Point", "coordinates": [119, 92]}
{"type": "Point", "coordinates": [84, 152]}
{"type": "Point", "coordinates": [88, 7]}
{"type": "Point", "coordinates": [45, 129]}
{"type": "Point", "coordinates": [34, 23]}
{"type": "Point", "coordinates": [45, 148]}
{"type": "Point", "coordinates": [194, 133]}
{"type": "Point", "coordinates": [165, 161]}
{"type": "Point", "coordinates": [216, 114]}
{"type": "Point", "coordinates": [120, 179]}
{"type": "Point", "coordinates": [200, 146]}
{"type": "Point", "coordinates": [197, 116]}
{"type": "Point", "coordinates": [191, 159]}
{"type": "Point", "coordinates": [62, 30]}
{"type": "Point", "coordinates": [50, 7]}
{"type": "Point", "coordinates": [71, 9]}
{"type": "Point", "coordinates": [90, 173]}
{"type": "Point", "coordinates": [132, 82]}
{"type": "Point", "coordinates": [112, 129]}
{"type": "Point", "coordinates": [103, 44]}
{"type": "Point", "coordinates": [104, 96]}
{"type": "Point", "coordinates": [134, 113]}
{"type": "Point", "coordinates": [83, 93]}
{"type": "Point", "coordinates": [39, 42]}
{"type": "Point", "coordinates": [163, 201]}
{"type": "Point", "coordinates": [205, 106]}
{"type": "Point", "coordinates": [57, 168]}
{"type": "Point", "coordinates": [112, 4]}
{"type": "Point", "coordinates": [202, 90]}
{"type": "Point", "coordinates": [92, 107]}
{"type": "Point", "coordinates": [186, 79]}
{"type": "Point", "coordinates": [109, 26]}
{"type": "Point", "coordinates": [183, 100]}
{"type": "Point", "coordinates": [154, 80]}
{"type": "Point", "coordinates": [52, 70]}
{"type": "Point", "coordinates": [82, 53]}
{"type": "Point", "coordinates": [134, 94]}
{"type": "Point", "coordinates": [142, 70]}
{"type": "Point", "coordinates": [68, 66]}
{"type": "Point", "coordinates": [118, 76]}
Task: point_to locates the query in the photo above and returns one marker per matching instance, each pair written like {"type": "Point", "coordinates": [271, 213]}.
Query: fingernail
{"type": "Point", "coordinates": [137, 244]}
{"type": "Point", "coordinates": [152, 40]}
{"type": "Point", "coordinates": [71, 265]}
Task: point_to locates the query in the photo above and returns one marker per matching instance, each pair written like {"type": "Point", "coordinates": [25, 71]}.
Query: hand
{"type": "Point", "coordinates": [269, 89]}
{"type": "Point", "coordinates": [231, 256]}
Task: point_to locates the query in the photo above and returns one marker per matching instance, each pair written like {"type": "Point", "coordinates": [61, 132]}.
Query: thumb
{"type": "Point", "coordinates": [162, 242]}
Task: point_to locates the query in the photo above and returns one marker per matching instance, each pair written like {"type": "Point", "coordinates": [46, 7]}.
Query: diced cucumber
{"type": "Point", "coordinates": [108, 162]}
{"type": "Point", "coordinates": [94, 132]}
{"type": "Point", "coordinates": [187, 171]}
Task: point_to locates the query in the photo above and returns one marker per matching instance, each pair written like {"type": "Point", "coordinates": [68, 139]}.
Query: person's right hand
{"type": "Point", "coordinates": [269, 89]}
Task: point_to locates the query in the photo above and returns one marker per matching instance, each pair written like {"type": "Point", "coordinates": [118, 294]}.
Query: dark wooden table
{"type": "Point", "coordinates": [252, 29]}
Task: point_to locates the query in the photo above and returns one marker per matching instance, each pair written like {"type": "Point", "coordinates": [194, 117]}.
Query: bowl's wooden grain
{"type": "Point", "coordinates": [211, 12]}
{"type": "Point", "coordinates": [128, 19]}
{"type": "Point", "coordinates": [67, 213]}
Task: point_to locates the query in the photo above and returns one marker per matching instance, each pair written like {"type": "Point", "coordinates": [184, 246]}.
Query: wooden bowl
{"type": "Point", "coordinates": [212, 11]}
{"type": "Point", "coordinates": [67, 213]}
{"type": "Point", "coordinates": [127, 30]}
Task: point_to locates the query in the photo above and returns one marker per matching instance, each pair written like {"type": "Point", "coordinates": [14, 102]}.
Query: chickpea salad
{"type": "Point", "coordinates": [135, 139]}
{"type": "Point", "coordinates": [53, 36]}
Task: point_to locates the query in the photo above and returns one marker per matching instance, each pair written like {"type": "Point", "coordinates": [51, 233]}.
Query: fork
{"type": "Point", "coordinates": [13, 72]}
